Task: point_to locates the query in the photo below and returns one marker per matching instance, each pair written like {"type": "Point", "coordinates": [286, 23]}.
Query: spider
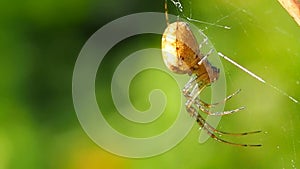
{"type": "Point", "coordinates": [181, 54]}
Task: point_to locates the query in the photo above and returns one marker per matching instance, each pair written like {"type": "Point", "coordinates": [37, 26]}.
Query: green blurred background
{"type": "Point", "coordinates": [40, 41]}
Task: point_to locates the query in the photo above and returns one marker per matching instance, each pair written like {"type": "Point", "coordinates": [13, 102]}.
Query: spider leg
{"type": "Point", "coordinates": [205, 56]}
{"type": "Point", "coordinates": [193, 95]}
{"type": "Point", "coordinates": [222, 132]}
{"type": "Point", "coordinates": [206, 111]}
{"type": "Point", "coordinates": [189, 85]}
{"type": "Point", "coordinates": [212, 135]}
{"type": "Point", "coordinates": [192, 98]}
{"type": "Point", "coordinates": [211, 132]}
{"type": "Point", "coordinates": [221, 102]}
{"type": "Point", "coordinates": [205, 40]}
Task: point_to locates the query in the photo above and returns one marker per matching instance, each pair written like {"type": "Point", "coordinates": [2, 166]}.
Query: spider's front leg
{"type": "Point", "coordinates": [211, 130]}
{"type": "Point", "coordinates": [191, 92]}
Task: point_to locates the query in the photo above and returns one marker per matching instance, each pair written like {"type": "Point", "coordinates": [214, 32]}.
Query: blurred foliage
{"type": "Point", "coordinates": [39, 44]}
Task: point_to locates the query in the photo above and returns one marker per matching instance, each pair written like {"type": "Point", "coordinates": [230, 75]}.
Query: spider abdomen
{"type": "Point", "coordinates": [181, 53]}
{"type": "Point", "coordinates": [179, 48]}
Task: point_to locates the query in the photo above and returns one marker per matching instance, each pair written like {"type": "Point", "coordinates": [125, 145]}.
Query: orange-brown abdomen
{"type": "Point", "coordinates": [179, 48]}
{"type": "Point", "coordinates": [181, 53]}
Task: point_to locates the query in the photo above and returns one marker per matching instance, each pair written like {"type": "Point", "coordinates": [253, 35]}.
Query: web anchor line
{"type": "Point", "coordinates": [179, 8]}
{"type": "Point", "coordinates": [257, 77]}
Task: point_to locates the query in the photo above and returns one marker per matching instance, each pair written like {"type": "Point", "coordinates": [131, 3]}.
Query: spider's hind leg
{"type": "Point", "coordinates": [192, 91]}
{"type": "Point", "coordinates": [210, 105]}
{"type": "Point", "coordinates": [204, 107]}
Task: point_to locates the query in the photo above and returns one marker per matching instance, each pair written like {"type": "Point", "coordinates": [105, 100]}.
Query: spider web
{"type": "Point", "coordinates": [263, 40]}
